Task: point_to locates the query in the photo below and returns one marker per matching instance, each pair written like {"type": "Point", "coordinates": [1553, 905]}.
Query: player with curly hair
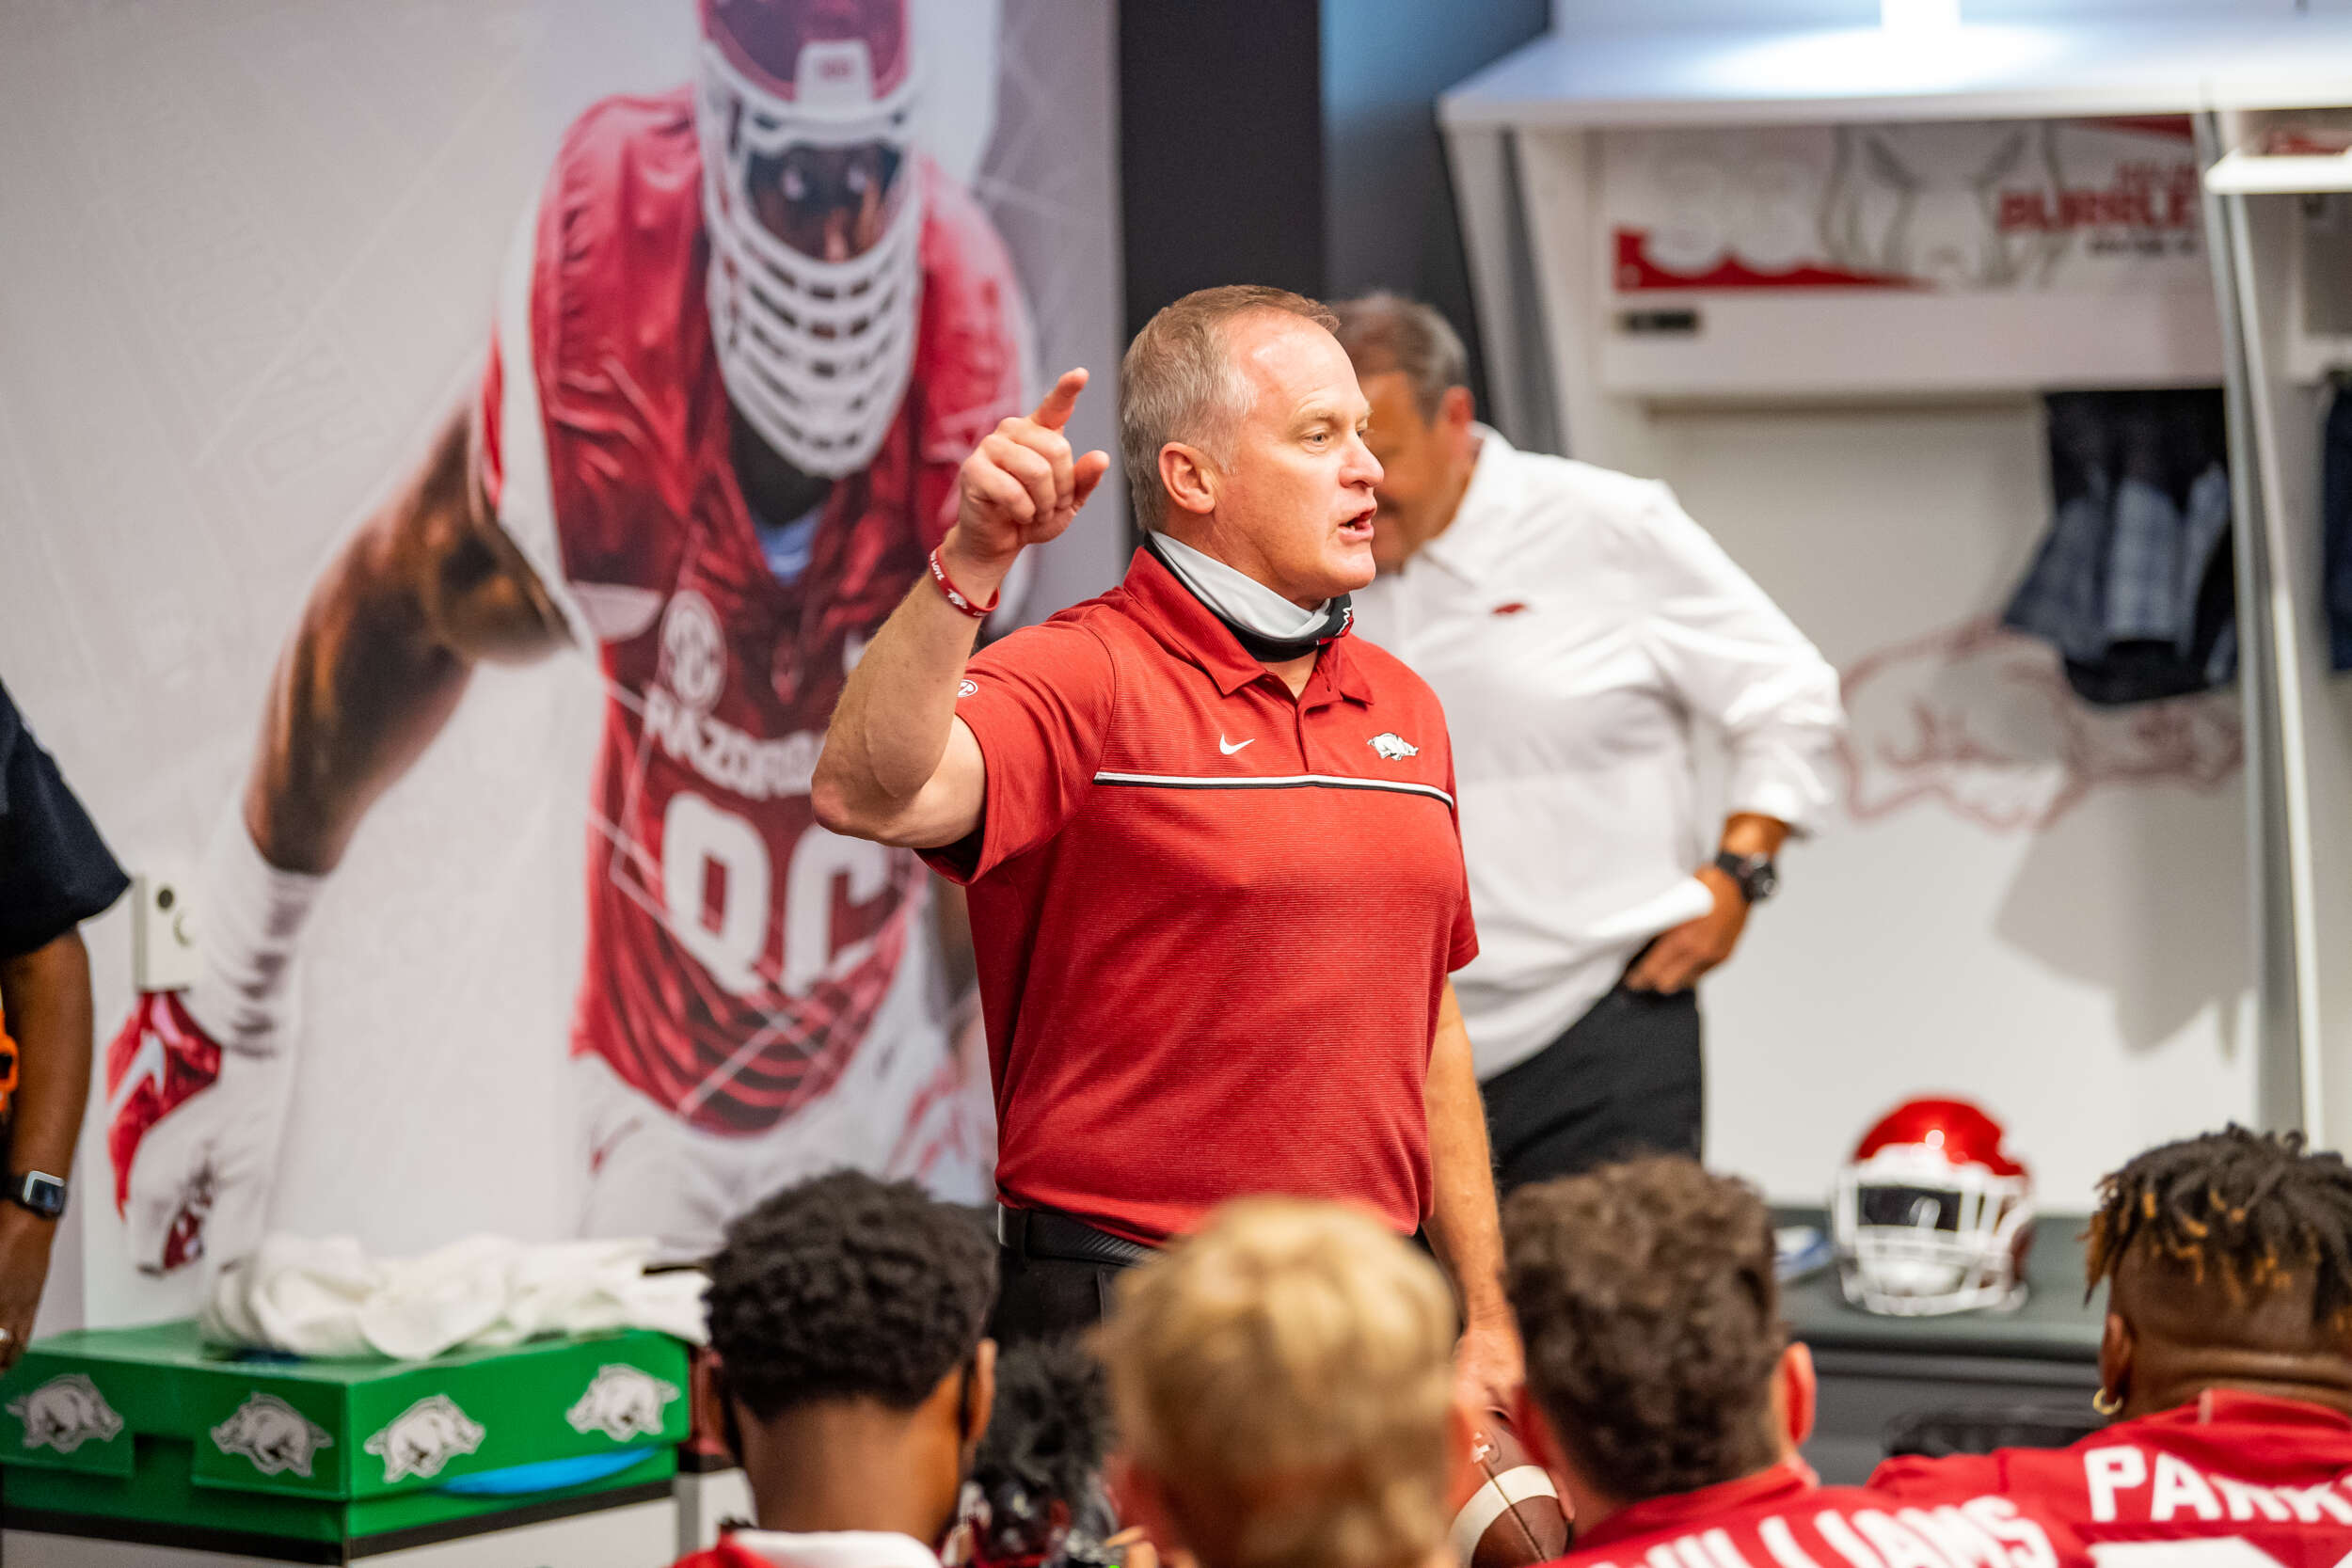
{"type": "Point", "coordinates": [1664, 1394]}
{"type": "Point", "coordinates": [850, 1372]}
{"type": "Point", "coordinates": [2227, 1357]}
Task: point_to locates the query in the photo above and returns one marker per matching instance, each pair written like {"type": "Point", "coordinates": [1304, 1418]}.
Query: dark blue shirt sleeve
{"type": "Point", "coordinates": [56, 871]}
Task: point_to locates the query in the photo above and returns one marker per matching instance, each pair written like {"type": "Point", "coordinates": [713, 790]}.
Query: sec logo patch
{"type": "Point", "coordinates": [694, 653]}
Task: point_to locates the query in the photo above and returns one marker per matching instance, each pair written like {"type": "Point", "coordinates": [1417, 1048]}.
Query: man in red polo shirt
{"type": "Point", "coordinates": [1666, 1400]}
{"type": "Point", "coordinates": [1216, 880]}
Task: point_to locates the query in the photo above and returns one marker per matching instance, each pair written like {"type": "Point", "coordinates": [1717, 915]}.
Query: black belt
{"type": "Point", "coordinates": [1050, 1233]}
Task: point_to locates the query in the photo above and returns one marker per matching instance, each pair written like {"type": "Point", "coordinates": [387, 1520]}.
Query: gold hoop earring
{"type": "Point", "coordinates": [2106, 1404]}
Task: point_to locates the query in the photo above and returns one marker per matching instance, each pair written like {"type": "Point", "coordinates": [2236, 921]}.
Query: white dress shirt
{"type": "Point", "coordinates": [1573, 619]}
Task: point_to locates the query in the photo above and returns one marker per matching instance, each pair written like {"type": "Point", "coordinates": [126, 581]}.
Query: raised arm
{"type": "Point", "coordinates": [427, 587]}
{"type": "Point", "coordinates": [897, 765]}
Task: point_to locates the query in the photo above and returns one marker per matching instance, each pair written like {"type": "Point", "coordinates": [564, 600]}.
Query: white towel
{"type": "Point", "coordinates": [325, 1296]}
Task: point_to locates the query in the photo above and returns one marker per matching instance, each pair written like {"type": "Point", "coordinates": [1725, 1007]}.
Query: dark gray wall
{"type": "Point", "coordinates": [1220, 148]}
{"type": "Point", "coordinates": [1388, 206]}
{"type": "Point", "coordinates": [1295, 142]}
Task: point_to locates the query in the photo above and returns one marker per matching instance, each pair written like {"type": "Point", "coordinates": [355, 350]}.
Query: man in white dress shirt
{"type": "Point", "coordinates": [1575, 622]}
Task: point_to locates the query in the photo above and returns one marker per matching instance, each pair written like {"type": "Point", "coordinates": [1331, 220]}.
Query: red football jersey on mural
{"type": "Point", "coordinates": [737, 952]}
{"type": "Point", "coordinates": [2251, 1477]}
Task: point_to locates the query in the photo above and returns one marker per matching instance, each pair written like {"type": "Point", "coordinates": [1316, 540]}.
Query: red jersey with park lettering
{"type": "Point", "coordinates": [737, 952]}
{"type": "Point", "coordinates": [1213, 922]}
{"type": "Point", "coordinates": [2260, 1477]}
{"type": "Point", "coordinates": [1785, 1518]}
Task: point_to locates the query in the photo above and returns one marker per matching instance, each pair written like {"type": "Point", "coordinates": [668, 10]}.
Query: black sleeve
{"type": "Point", "coordinates": [56, 872]}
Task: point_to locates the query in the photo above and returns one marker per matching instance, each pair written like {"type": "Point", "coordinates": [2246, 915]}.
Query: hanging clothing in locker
{"type": "Point", "coordinates": [2135, 584]}
{"type": "Point", "coordinates": [2335, 526]}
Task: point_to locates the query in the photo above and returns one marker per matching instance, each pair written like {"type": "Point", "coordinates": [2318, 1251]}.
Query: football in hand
{"type": "Point", "coordinates": [1506, 1511]}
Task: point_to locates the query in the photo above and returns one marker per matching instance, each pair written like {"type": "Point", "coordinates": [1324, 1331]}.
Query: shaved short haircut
{"type": "Point", "coordinates": [1178, 382]}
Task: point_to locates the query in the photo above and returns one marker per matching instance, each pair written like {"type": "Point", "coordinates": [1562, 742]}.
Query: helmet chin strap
{"type": "Point", "coordinates": [1252, 624]}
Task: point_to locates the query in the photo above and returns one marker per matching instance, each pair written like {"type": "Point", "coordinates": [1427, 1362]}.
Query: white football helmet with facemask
{"type": "Point", "coordinates": [1933, 1215]}
{"type": "Point", "coordinates": [816, 350]}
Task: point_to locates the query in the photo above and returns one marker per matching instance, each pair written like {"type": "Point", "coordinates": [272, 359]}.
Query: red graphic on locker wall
{"type": "Point", "coordinates": [1636, 272]}
{"type": "Point", "coordinates": [1951, 206]}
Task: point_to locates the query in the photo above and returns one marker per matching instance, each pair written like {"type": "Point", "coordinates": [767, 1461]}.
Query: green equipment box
{"type": "Point", "coordinates": [149, 1432]}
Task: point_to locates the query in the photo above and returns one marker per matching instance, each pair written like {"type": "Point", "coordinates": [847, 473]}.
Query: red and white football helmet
{"type": "Point", "coordinates": [816, 351]}
{"type": "Point", "coordinates": [1931, 1216]}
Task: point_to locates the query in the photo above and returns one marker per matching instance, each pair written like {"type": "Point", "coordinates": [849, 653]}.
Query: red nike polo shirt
{"type": "Point", "coordinates": [1213, 922]}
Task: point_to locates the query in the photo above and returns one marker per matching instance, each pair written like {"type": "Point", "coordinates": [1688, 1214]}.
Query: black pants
{"type": "Point", "coordinates": [1624, 1080]}
{"type": "Point", "coordinates": [1043, 1298]}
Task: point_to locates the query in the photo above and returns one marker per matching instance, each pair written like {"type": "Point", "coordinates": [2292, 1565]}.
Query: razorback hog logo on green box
{"type": "Point", "coordinates": [425, 1437]}
{"type": "Point", "coordinates": [273, 1435]}
{"type": "Point", "coordinates": [65, 1412]}
{"type": "Point", "coordinates": [622, 1402]}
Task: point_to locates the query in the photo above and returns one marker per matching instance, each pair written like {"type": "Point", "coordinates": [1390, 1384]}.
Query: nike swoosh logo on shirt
{"type": "Point", "coordinates": [1230, 747]}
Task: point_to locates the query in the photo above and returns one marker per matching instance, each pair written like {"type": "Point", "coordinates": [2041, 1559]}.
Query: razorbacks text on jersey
{"type": "Point", "coordinates": [737, 952]}
{"type": "Point", "coordinates": [1782, 1517]}
{"type": "Point", "coordinates": [2229, 1480]}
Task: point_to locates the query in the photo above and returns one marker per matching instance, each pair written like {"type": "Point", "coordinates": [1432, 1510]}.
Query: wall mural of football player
{"type": "Point", "coordinates": [743, 343]}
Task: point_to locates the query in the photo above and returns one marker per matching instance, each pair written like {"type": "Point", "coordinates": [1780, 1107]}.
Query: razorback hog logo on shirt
{"type": "Point", "coordinates": [65, 1412]}
{"type": "Point", "coordinates": [274, 1435]}
{"type": "Point", "coordinates": [1391, 747]}
{"type": "Point", "coordinates": [622, 1402]}
{"type": "Point", "coordinates": [423, 1437]}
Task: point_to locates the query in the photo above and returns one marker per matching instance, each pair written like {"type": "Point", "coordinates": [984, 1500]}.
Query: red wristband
{"type": "Point", "coordinates": [957, 597]}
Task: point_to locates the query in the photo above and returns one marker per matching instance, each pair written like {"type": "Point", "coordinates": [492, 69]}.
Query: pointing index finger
{"type": "Point", "coordinates": [1053, 412]}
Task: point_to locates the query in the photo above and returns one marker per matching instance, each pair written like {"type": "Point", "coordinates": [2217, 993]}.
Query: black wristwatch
{"type": "Point", "coordinates": [1756, 878]}
{"type": "Point", "coordinates": [37, 1190]}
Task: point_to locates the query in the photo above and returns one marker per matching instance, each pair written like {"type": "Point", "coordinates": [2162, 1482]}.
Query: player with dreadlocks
{"type": "Point", "coordinates": [2227, 1359]}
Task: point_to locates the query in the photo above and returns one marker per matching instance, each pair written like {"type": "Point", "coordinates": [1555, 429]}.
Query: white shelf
{"type": "Point", "coordinates": [1693, 77]}
{"type": "Point", "coordinates": [1861, 342]}
{"type": "Point", "coordinates": [2247, 174]}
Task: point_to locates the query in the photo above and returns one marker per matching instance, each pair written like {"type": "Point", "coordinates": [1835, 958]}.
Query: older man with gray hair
{"type": "Point", "coordinates": [1217, 886]}
{"type": "Point", "coordinates": [1576, 622]}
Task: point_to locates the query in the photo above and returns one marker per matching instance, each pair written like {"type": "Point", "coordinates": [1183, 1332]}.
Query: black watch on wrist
{"type": "Point", "coordinates": [1755, 874]}
{"type": "Point", "coordinates": [37, 1190]}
